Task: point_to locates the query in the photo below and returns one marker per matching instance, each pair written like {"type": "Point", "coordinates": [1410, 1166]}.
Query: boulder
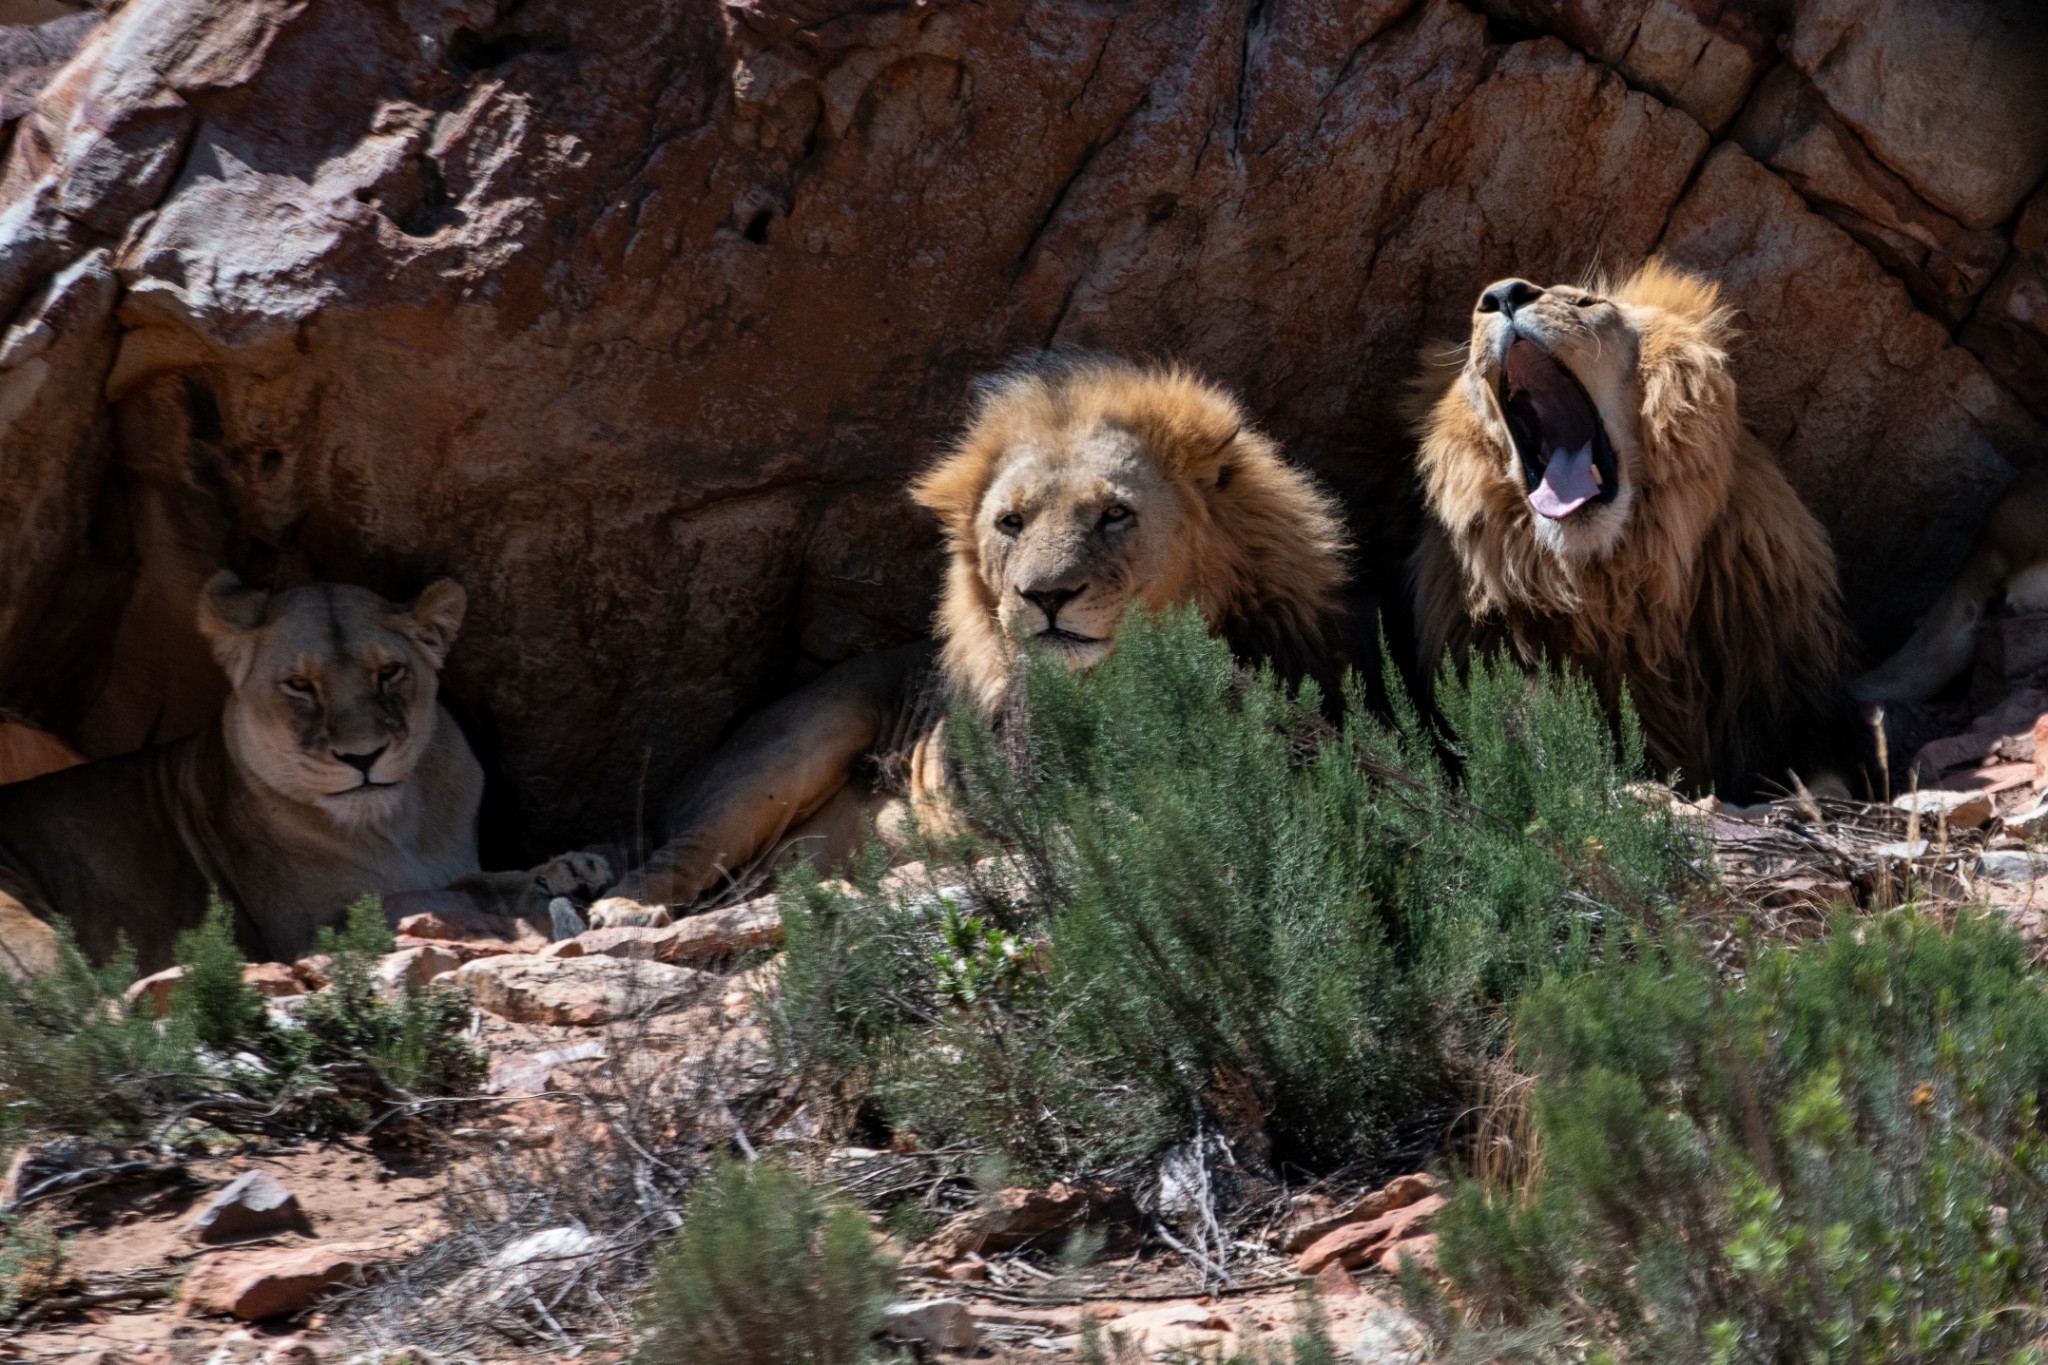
{"type": "Point", "coordinates": [272, 979]}
{"type": "Point", "coordinates": [1322, 1219]}
{"type": "Point", "coordinates": [1355, 1244]}
{"type": "Point", "coordinates": [275, 1281]}
{"type": "Point", "coordinates": [1836, 358]}
{"type": "Point", "coordinates": [155, 990]}
{"type": "Point", "coordinates": [1417, 1251]}
{"type": "Point", "coordinates": [1788, 127]}
{"type": "Point", "coordinates": [939, 1324]}
{"type": "Point", "coordinates": [254, 1204]}
{"type": "Point", "coordinates": [2010, 327]}
{"type": "Point", "coordinates": [582, 992]}
{"type": "Point", "coordinates": [1948, 95]}
{"type": "Point", "coordinates": [700, 938]}
{"type": "Point", "coordinates": [266, 269]}
{"type": "Point", "coordinates": [411, 968]}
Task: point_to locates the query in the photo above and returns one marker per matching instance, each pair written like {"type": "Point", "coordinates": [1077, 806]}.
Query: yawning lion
{"type": "Point", "coordinates": [1595, 498]}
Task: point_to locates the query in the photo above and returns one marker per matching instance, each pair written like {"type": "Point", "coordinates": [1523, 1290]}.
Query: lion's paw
{"type": "Point", "coordinates": [575, 875]}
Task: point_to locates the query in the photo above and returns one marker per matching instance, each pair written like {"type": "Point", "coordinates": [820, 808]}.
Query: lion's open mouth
{"type": "Point", "coordinates": [1566, 459]}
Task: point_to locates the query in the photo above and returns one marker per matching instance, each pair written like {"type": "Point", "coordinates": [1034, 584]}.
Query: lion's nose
{"type": "Point", "coordinates": [1050, 600]}
{"type": "Point", "coordinates": [1509, 295]}
{"type": "Point", "coordinates": [362, 763]}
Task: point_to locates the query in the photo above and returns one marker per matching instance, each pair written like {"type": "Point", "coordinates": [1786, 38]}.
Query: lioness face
{"type": "Point", "coordinates": [333, 688]}
{"type": "Point", "coordinates": [1076, 526]}
{"type": "Point", "coordinates": [1554, 373]}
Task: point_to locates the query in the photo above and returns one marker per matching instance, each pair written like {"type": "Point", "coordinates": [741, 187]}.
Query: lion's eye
{"type": "Point", "coordinates": [1116, 511]}
{"type": "Point", "coordinates": [1585, 300]}
{"type": "Point", "coordinates": [390, 674]}
{"type": "Point", "coordinates": [1011, 523]}
{"type": "Point", "coordinates": [299, 687]}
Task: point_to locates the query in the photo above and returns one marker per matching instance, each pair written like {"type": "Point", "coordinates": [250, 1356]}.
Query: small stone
{"type": "Point", "coordinates": [156, 989]}
{"type": "Point", "coordinates": [255, 1204]}
{"type": "Point", "coordinates": [475, 926]}
{"type": "Point", "coordinates": [1389, 1336]}
{"type": "Point", "coordinates": [272, 979]}
{"type": "Point", "coordinates": [1964, 810]}
{"type": "Point", "coordinates": [1333, 1281]}
{"type": "Point", "coordinates": [2012, 866]}
{"type": "Point", "coordinates": [1011, 1218]}
{"type": "Point", "coordinates": [563, 920]}
{"type": "Point", "coordinates": [1419, 1251]}
{"type": "Point", "coordinates": [942, 1324]}
{"type": "Point", "coordinates": [254, 1285]}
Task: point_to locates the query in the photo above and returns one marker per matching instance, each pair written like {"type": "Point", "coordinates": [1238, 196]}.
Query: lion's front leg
{"type": "Point", "coordinates": [777, 771]}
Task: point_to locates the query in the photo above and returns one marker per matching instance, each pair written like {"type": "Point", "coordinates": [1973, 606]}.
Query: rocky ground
{"type": "Point", "coordinates": [617, 1040]}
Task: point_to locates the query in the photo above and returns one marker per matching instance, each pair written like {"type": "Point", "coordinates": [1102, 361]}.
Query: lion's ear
{"type": "Point", "coordinates": [435, 617]}
{"type": "Point", "coordinates": [230, 614]}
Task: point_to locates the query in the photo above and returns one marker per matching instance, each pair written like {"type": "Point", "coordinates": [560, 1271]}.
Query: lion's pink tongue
{"type": "Point", "coordinates": [1568, 483]}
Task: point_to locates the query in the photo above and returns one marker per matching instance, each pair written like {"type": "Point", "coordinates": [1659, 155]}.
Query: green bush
{"type": "Point", "coordinates": [415, 1041]}
{"type": "Point", "coordinates": [1229, 903]}
{"type": "Point", "coordinates": [1840, 1157]}
{"type": "Point", "coordinates": [766, 1270]}
{"type": "Point", "coordinates": [74, 1058]}
{"type": "Point", "coordinates": [224, 1011]}
{"type": "Point", "coordinates": [32, 1266]}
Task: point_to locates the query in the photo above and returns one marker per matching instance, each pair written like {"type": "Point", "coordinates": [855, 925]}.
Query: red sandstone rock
{"type": "Point", "coordinates": [582, 991]}
{"type": "Point", "coordinates": [1356, 1243]}
{"type": "Point", "coordinates": [273, 979]}
{"type": "Point", "coordinates": [264, 267]}
{"type": "Point", "coordinates": [272, 1282]}
{"type": "Point", "coordinates": [1421, 1251]}
{"type": "Point", "coordinates": [474, 926]}
{"type": "Point", "coordinates": [156, 989]}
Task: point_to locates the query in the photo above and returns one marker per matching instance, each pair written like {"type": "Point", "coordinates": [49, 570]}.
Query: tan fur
{"type": "Point", "coordinates": [27, 752]}
{"type": "Point", "coordinates": [265, 806]}
{"type": "Point", "coordinates": [2010, 560]}
{"type": "Point", "coordinates": [1209, 513]}
{"type": "Point", "coordinates": [1711, 596]}
{"type": "Point", "coordinates": [1220, 519]}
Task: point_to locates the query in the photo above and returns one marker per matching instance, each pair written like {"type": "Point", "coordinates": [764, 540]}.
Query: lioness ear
{"type": "Point", "coordinates": [435, 617]}
{"type": "Point", "coordinates": [229, 617]}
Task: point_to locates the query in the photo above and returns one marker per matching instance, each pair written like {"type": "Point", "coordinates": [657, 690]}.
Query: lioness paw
{"type": "Point", "coordinates": [574, 875]}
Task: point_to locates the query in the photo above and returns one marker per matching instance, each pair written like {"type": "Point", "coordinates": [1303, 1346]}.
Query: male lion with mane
{"type": "Point", "coordinates": [334, 773]}
{"type": "Point", "coordinates": [1081, 487]}
{"type": "Point", "coordinates": [1595, 498]}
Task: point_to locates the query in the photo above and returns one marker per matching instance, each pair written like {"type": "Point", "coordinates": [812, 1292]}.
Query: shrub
{"type": "Point", "coordinates": [1229, 903]}
{"type": "Point", "coordinates": [1840, 1157]}
{"type": "Point", "coordinates": [74, 1058]}
{"type": "Point", "coordinates": [32, 1266]}
{"type": "Point", "coordinates": [766, 1270]}
{"type": "Point", "coordinates": [414, 1041]}
{"type": "Point", "coordinates": [224, 1011]}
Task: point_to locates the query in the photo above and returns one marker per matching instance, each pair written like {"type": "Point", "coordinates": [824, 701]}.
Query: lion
{"type": "Point", "coordinates": [334, 773]}
{"type": "Point", "coordinates": [2010, 560]}
{"type": "Point", "coordinates": [1594, 497]}
{"type": "Point", "coordinates": [1082, 486]}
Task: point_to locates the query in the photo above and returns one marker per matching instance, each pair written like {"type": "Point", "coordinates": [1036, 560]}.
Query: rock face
{"type": "Point", "coordinates": [635, 317]}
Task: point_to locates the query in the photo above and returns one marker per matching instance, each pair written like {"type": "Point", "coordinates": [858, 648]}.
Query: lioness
{"type": "Point", "coordinates": [1082, 485]}
{"type": "Point", "coordinates": [1595, 497]}
{"type": "Point", "coordinates": [334, 772]}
